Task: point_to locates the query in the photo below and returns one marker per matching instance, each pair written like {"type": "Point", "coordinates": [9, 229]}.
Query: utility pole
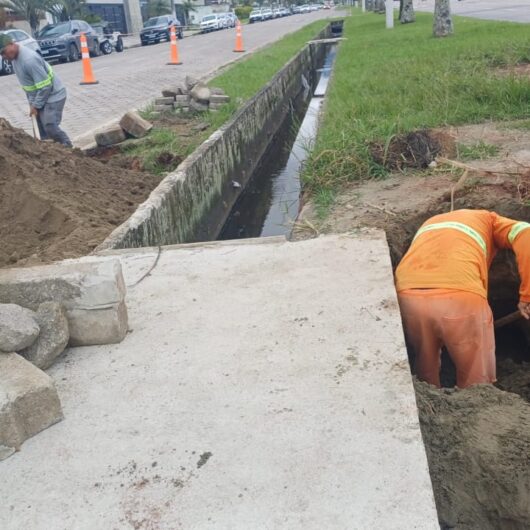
{"type": "Point", "coordinates": [389, 10]}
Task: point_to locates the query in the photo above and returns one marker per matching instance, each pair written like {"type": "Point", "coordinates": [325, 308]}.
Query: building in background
{"type": "Point", "coordinates": [122, 15]}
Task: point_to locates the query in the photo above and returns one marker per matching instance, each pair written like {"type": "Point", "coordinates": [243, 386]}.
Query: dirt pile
{"type": "Point", "coordinates": [57, 203]}
{"type": "Point", "coordinates": [477, 442]}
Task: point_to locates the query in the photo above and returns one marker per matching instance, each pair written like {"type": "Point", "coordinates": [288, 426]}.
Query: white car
{"type": "Point", "coordinates": [22, 38]}
{"type": "Point", "coordinates": [211, 23]}
{"type": "Point", "coordinates": [255, 16]}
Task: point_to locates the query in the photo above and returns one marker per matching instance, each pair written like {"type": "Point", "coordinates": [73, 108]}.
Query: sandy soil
{"type": "Point", "coordinates": [56, 203]}
{"type": "Point", "coordinates": [477, 440]}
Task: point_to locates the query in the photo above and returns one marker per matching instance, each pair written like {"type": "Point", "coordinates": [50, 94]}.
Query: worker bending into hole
{"type": "Point", "coordinates": [442, 285]}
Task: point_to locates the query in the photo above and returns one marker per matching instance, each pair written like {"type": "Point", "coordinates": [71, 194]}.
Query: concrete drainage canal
{"type": "Point", "coordinates": [270, 202]}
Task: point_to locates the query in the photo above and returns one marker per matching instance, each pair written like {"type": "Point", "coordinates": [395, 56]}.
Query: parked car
{"type": "Point", "coordinates": [226, 21]}
{"type": "Point", "coordinates": [297, 10]}
{"type": "Point", "coordinates": [62, 41]}
{"type": "Point", "coordinates": [284, 12]}
{"type": "Point", "coordinates": [21, 38]}
{"type": "Point", "coordinates": [212, 23]}
{"type": "Point", "coordinates": [108, 40]}
{"type": "Point", "coordinates": [255, 16]}
{"type": "Point", "coordinates": [266, 14]}
{"type": "Point", "coordinates": [157, 29]}
{"type": "Point", "coordinates": [233, 19]}
{"type": "Point", "coordinates": [305, 9]}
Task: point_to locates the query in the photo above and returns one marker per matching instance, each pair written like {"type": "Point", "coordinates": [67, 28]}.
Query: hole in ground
{"type": "Point", "coordinates": [478, 439]}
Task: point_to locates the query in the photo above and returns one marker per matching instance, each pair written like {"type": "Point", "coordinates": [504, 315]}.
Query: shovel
{"type": "Point", "coordinates": [508, 319]}
{"type": "Point", "coordinates": [36, 131]}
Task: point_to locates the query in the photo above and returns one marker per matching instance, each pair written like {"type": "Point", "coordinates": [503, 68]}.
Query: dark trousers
{"type": "Point", "coordinates": [49, 120]}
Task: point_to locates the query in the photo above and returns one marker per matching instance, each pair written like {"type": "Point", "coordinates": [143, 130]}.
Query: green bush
{"type": "Point", "coordinates": [243, 12]}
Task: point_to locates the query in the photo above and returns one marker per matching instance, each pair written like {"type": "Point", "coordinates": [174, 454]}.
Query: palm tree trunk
{"type": "Point", "coordinates": [407, 14]}
{"type": "Point", "coordinates": [443, 23]}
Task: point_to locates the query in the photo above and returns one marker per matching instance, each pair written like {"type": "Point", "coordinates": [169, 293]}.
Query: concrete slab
{"type": "Point", "coordinates": [264, 385]}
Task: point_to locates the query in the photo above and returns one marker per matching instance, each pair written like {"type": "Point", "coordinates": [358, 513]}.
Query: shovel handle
{"type": "Point", "coordinates": [508, 319]}
{"type": "Point", "coordinates": [36, 130]}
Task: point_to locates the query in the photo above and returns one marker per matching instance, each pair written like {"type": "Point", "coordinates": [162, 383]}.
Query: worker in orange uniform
{"type": "Point", "coordinates": [442, 285]}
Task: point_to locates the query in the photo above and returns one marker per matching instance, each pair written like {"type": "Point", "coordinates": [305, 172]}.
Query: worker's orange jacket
{"type": "Point", "coordinates": [455, 251]}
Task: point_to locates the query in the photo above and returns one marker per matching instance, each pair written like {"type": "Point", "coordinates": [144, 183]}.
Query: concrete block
{"type": "Point", "coordinates": [111, 136]}
{"type": "Point", "coordinates": [18, 327]}
{"type": "Point", "coordinates": [182, 99]}
{"type": "Point", "coordinates": [215, 106]}
{"type": "Point", "coordinates": [176, 90]}
{"type": "Point", "coordinates": [53, 336]}
{"type": "Point", "coordinates": [28, 402]}
{"type": "Point", "coordinates": [92, 293]}
{"type": "Point", "coordinates": [221, 99]}
{"type": "Point", "coordinates": [165, 100]}
{"type": "Point", "coordinates": [195, 106]}
{"type": "Point", "coordinates": [134, 125]}
{"type": "Point", "coordinates": [201, 93]}
{"type": "Point", "coordinates": [163, 108]}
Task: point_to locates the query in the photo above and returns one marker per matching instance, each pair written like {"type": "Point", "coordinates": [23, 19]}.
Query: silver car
{"type": "Point", "coordinates": [22, 38]}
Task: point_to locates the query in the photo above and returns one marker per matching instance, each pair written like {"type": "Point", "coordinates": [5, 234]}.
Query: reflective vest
{"type": "Point", "coordinates": [517, 228]}
{"type": "Point", "coordinates": [42, 84]}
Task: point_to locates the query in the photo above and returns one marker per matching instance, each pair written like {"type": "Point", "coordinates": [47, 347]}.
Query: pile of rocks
{"type": "Point", "coordinates": [132, 125]}
{"type": "Point", "coordinates": [191, 96]}
{"type": "Point", "coordinates": [28, 399]}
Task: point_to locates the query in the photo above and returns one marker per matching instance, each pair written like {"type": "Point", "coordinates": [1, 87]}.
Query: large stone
{"type": "Point", "coordinates": [18, 327]}
{"type": "Point", "coordinates": [92, 293]}
{"type": "Point", "coordinates": [217, 91]}
{"type": "Point", "coordinates": [176, 90]}
{"type": "Point", "coordinates": [53, 337]}
{"type": "Point", "coordinates": [110, 136]}
{"type": "Point", "coordinates": [190, 82]}
{"type": "Point", "coordinates": [28, 402]}
{"type": "Point", "coordinates": [195, 106]}
{"type": "Point", "coordinates": [134, 125]}
{"type": "Point", "coordinates": [163, 108]}
{"type": "Point", "coordinates": [201, 93]}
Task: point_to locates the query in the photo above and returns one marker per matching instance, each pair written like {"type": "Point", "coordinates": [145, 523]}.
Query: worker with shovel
{"type": "Point", "coordinates": [442, 284]}
{"type": "Point", "coordinates": [45, 92]}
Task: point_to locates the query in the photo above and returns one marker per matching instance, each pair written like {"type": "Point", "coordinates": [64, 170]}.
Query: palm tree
{"type": "Point", "coordinates": [30, 10]}
{"type": "Point", "coordinates": [63, 10]}
{"type": "Point", "coordinates": [406, 12]}
{"type": "Point", "coordinates": [443, 23]}
{"type": "Point", "coordinates": [188, 7]}
{"type": "Point", "coordinates": [155, 8]}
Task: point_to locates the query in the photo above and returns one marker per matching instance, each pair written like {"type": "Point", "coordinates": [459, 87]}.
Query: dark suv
{"type": "Point", "coordinates": [62, 41]}
{"type": "Point", "coordinates": [157, 29]}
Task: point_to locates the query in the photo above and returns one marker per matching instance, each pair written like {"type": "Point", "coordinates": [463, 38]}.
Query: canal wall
{"type": "Point", "coordinates": [192, 203]}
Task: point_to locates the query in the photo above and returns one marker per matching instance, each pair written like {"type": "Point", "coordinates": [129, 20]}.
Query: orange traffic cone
{"type": "Point", "coordinates": [88, 74]}
{"type": "Point", "coordinates": [239, 39]}
{"type": "Point", "coordinates": [174, 54]}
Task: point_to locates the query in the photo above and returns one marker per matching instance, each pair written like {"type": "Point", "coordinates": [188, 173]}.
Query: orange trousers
{"type": "Point", "coordinates": [460, 321]}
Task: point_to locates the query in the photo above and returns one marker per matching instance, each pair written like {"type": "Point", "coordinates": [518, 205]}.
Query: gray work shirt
{"type": "Point", "coordinates": [37, 78]}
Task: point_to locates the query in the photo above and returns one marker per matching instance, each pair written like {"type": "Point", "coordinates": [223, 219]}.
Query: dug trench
{"type": "Point", "coordinates": [477, 439]}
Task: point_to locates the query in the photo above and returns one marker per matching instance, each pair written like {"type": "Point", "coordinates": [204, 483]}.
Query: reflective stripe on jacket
{"type": "Point", "coordinates": [455, 251]}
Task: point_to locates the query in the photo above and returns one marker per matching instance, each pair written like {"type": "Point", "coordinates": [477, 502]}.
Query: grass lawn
{"type": "Point", "coordinates": [241, 81]}
{"type": "Point", "coordinates": [393, 81]}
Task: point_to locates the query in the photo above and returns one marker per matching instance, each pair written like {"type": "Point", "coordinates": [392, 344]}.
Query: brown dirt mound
{"type": "Point", "coordinates": [412, 150]}
{"type": "Point", "coordinates": [477, 442]}
{"type": "Point", "coordinates": [57, 203]}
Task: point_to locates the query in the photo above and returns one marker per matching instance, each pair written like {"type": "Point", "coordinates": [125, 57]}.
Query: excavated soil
{"type": "Point", "coordinates": [478, 439]}
{"type": "Point", "coordinates": [477, 443]}
{"type": "Point", "coordinates": [58, 203]}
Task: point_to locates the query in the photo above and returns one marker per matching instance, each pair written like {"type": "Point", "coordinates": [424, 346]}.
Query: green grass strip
{"type": "Point", "coordinates": [393, 81]}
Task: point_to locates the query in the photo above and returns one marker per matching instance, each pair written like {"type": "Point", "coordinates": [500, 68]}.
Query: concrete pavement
{"type": "Point", "coordinates": [130, 79]}
{"type": "Point", "coordinates": [509, 10]}
{"type": "Point", "coordinates": [249, 395]}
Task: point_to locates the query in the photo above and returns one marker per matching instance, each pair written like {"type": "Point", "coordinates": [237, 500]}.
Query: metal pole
{"type": "Point", "coordinates": [389, 9]}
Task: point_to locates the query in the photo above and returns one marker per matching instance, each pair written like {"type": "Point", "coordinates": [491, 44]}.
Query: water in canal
{"type": "Point", "coordinates": [271, 200]}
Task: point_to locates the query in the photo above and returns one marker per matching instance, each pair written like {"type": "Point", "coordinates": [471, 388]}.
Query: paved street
{"type": "Point", "coordinates": [514, 11]}
{"type": "Point", "coordinates": [130, 79]}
